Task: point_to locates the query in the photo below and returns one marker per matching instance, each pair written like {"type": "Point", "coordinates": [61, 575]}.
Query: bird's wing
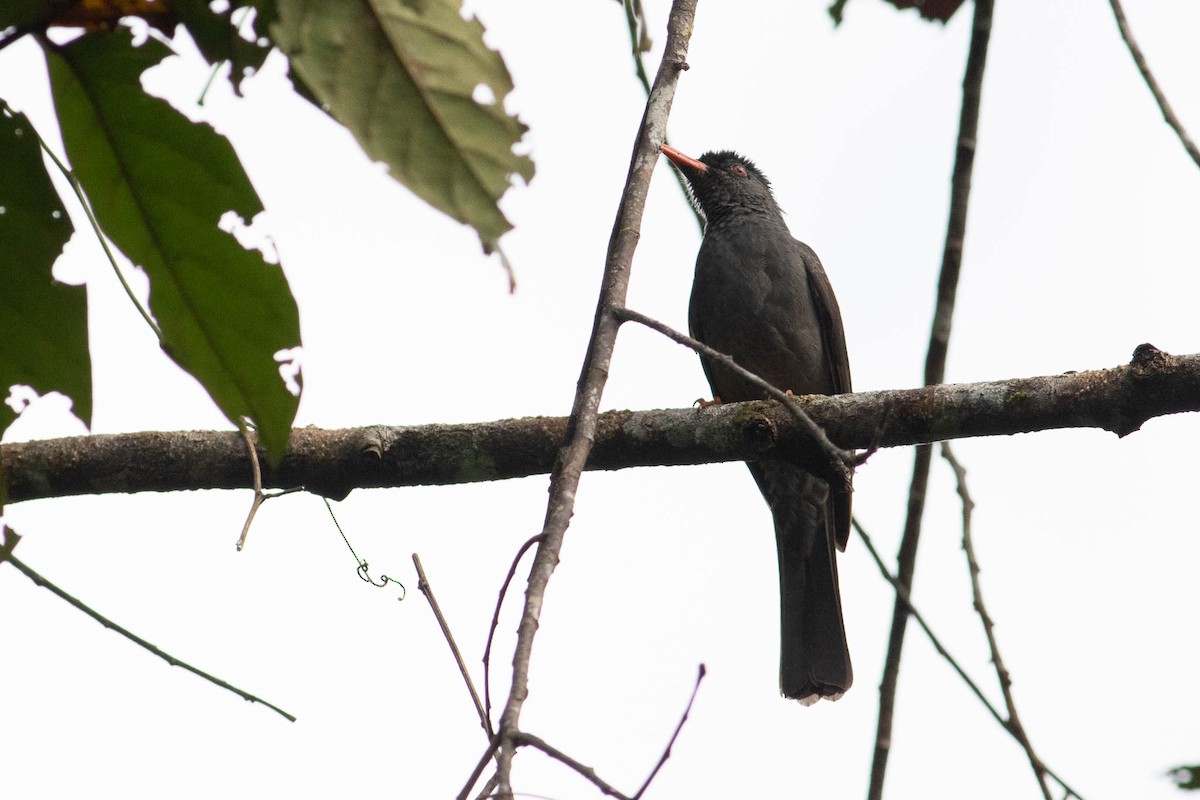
{"type": "Point", "coordinates": [838, 359]}
{"type": "Point", "coordinates": [831, 322]}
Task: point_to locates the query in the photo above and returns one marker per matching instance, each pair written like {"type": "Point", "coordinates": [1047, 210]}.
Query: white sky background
{"type": "Point", "coordinates": [1081, 244]}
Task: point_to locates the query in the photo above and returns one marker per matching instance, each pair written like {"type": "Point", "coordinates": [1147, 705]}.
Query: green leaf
{"type": "Point", "coordinates": [402, 77]}
{"type": "Point", "coordinates": [1186, 777]}
{"type": "Point", "coordinates": [43, 324]}
{"type": "Point", "coordinates": [159, 184]}
{"type": "Point", "coordinates": [837, 11]}
{"type": "Point", "coordinates": [218, 39]}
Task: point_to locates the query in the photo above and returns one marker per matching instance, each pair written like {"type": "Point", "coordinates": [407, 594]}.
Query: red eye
{"type": "Point", "coordinates": [738, 169]}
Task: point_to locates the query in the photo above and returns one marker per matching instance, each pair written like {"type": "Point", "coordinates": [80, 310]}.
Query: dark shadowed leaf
{"type": "Point", "coordinates": [406, 78]}
{"type": "Point", "coordinates": [15, 13]}
{"type": "Point", "coordinates": [939, 10]}
{"type": "Point", "coordinates": [159, 185]}
{"type": "Point", "coordinates": [8, 537]}
{"type": "Point", "coordinates": [43, 324]}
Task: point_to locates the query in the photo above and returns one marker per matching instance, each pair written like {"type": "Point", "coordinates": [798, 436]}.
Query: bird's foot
{"type": "Point", "coordinates": [700, 401]}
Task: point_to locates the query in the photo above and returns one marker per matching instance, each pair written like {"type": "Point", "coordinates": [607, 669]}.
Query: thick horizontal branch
{"type": "Point", "coordinates": [333, 462]}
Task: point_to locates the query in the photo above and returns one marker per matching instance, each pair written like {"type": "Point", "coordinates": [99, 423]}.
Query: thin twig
{"type": "Point", "coordinates": [564, 482]}
{"type": "Point", "coordinates": [509, 273]}
{"type": "Point", "coordinates": [427, 590]}
{"type": "Point", "coordinates": [1148, 77]}
{"type": "Point", "coordinates": [840, 460]}
{"type": "Point", "coordinates": [256, 470]}
{"type": "Point", "coordinates": [700, 673]}
{"type": "Point", "coordinates": [1014, 722]}
{"type": "Point", "coordinates": [487, 650]}
{"type": "Point", "coordinates": [903, 597]}
{"type": "Point", "coordinates": [523, 738]}
{"type": "Point", "coordinates": [935, 371]}
{"type": "Point", "coordinates": [170, 659]}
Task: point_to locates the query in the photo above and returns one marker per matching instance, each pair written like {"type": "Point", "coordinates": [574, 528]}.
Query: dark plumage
{"type": "Point", "coordinates": [762, 297]}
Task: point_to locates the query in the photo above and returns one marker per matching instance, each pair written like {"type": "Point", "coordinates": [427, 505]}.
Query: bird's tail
{"type": "Point", "coordinates": [814, 660]}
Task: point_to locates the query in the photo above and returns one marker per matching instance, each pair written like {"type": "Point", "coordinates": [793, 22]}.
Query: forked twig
{"type": "Point", "coordinates": [260, 495]}
{"type": "Point", "coordinates": [589, 773]}
{"type": "Point", "coordinates": [564, 481]}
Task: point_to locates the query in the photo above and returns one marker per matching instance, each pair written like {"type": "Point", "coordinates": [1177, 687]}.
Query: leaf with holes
{"type": "Point", "coordinates": [218, 36]}
{"type": "Point", "coordinates": [416, 85]}
{"type": "Point", "coordinates": [159, 185]}
{"type": "Point", "coordinates": [43, 324]}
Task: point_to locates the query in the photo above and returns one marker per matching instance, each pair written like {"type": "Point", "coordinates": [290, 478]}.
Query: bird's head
{"type": "Point", "coordinates": [724, 184]}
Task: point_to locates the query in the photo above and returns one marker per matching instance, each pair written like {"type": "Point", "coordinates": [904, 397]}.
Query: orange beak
{"type": "Point", "coordinates": [685, 163]}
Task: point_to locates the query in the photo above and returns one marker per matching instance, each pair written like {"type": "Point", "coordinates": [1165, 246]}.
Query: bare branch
{"type": "Point", "coordinates": [427, 590]}
{"type": "Point", "coordinates": [332, 462]}
{"type": "Point", "coordinates": [581, 429]}
{"type": "Point", "coordinates": [170, 659]}
{"type": "Point", "coordinates": [1148, 77]}
{"type": "Point", "coordinates": [935, 370]}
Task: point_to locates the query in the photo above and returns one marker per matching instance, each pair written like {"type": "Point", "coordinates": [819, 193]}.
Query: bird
{"type": "Point", "coordinates": [762, 297]}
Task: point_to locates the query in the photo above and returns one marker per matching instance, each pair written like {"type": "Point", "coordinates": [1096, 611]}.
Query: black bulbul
{"type": "Point", "coordinates": [762, 297]}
